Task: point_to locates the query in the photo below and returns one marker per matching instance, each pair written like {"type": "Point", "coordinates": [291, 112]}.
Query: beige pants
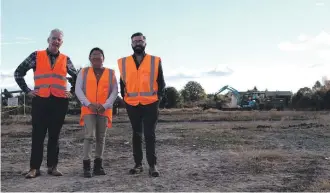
{"type": "Point", "coordinates": [94, 124]}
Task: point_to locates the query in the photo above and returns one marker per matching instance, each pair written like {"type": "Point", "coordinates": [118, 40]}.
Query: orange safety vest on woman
{"type": "Point", "coordinates": [140, 84]}
{"type": "Point", "coordinates": [48, 80]}
{"type": "Point", "coordinates": [97, 92]}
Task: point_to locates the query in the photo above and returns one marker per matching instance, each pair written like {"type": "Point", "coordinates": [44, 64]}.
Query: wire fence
{"type": "Point", "coordinates": [21, 109]}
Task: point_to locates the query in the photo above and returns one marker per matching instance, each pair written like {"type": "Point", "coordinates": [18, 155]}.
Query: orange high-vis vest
{"type": "Point", "coordinates": [97, 92]}
{"type": "Point", "coordinates": [140, 84]}
{"type": "Point", "coordinates": [47, 80]}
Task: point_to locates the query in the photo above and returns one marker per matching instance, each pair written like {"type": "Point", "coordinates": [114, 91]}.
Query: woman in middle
{"type": "Point", "coordinates": [96, 88]}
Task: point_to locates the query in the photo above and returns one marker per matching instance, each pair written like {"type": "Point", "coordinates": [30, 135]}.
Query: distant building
{"type": "Point", "coordinates": [285, 95]}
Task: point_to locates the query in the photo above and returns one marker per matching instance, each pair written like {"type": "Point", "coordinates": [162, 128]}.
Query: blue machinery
{"type": "Point", "coordinates": [251, 103]}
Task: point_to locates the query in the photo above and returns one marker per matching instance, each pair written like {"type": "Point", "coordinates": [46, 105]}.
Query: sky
{"type": "Point", "coordinates": [273, 44]}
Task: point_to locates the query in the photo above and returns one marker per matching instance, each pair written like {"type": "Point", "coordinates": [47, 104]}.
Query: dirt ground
{"type": "Point", "coordinates": [197, 151]}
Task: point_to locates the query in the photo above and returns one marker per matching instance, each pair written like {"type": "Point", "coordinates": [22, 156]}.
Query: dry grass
{"type": "Point", "coordinates": [197, 115]}
{"type": "Point", "coordinates": [264, 155]}
{"type": "Point", "coordinates": [197, 150]}
{"type": "Point", "coordinates": [321, 185]}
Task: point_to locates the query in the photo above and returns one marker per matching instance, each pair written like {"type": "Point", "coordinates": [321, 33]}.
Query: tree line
{"type": "Point", "coordinates": [193, 95]}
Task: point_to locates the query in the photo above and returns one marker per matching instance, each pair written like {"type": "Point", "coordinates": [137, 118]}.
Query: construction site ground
{"type": "Point", "coordinates": [197, 151]}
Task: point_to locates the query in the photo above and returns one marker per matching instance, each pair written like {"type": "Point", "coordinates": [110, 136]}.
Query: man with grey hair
{"type": "Point", "coordinates": [50, 100]}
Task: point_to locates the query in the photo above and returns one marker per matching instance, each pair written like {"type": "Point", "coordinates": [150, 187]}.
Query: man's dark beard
{"type": "Point", "coordinates": [138, 49]}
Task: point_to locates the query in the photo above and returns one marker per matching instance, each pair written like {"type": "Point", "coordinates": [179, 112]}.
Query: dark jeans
{"type": "Point", "coordinates": [47, 114]}
{"type": "Point", "coordinates": [144, 119]}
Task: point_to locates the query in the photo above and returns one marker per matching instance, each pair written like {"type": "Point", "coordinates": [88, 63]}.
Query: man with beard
{"type": "Point", "coordinates": [142, 88]}
{"type": "Point", "coordinates": [49, 100]}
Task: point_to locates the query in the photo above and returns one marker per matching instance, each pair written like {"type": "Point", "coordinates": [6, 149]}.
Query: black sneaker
{"type": "Point", "coordinates": [136, 170]}
{"type": "Point", "coordinates": [153, 171]}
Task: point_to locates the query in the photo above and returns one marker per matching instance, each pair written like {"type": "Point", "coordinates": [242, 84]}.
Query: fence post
{"type": "Point", "coordinates": [24, 103]}
{"type": "Point", "coordinates": [1, 99]}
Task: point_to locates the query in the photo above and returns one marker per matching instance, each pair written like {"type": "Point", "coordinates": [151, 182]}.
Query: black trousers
{"type": "Point", "coordinates": [47, 114]}
{"type": "Point", "coordinates": [144, 119]}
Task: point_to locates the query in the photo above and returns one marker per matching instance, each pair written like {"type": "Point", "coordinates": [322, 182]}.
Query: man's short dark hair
{"type": "Point", "coordinates": [138, 34]}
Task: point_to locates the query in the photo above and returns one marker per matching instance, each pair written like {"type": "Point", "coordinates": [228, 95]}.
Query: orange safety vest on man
{"type": "Point", "coordinates": [47, 80]}
{"type": "Point", "coordinates": [140, 84]}
{"type": "Point", "coordinates": [97, 92]}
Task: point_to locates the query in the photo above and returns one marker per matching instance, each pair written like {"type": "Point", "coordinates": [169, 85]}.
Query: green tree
{"type": "Point", "coordinates": [193, 92]}
{"type": "Point", "coordinates": [316, 98]}
{"type": "Point", "coordinates": [303, 98]}
{"type": "Point", "coordinates": [317, 86]}
{"type": "Point", "coordinates": [326, 100]}
{"type": "Point", "coordinates": [172, 98]}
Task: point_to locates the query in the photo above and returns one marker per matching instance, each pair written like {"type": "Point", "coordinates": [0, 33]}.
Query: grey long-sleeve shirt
{"type": "Point", "coordinates": [83, 99]}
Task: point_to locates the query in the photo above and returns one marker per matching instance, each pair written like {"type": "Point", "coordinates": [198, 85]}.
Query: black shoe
{"type": "Point", "coordinates": [98, 168]}
{"type": "Point", "coordinates": [137, 169]}
{"type": "Point", "coordinates": [153, 171]}
{"type": "Point", "coordinates": [87, 168]}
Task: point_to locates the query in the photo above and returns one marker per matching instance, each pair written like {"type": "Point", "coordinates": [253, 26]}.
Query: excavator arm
{"type": "Point", "coordinates": [221, 90]}
{"type": "Point", "coordinates": [234, 91]}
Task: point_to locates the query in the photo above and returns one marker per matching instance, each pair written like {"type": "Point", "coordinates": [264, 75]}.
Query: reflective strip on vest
{"type": "Point", "coordinates": [50, 85]}
{"type": "Point", "coordinates": [84, 87]}
{"type": "Point", "coordinates": [134, 94]}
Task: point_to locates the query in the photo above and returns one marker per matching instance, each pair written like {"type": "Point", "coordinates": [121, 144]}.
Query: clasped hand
{"type": "Point", "coordinates": [96, 107]}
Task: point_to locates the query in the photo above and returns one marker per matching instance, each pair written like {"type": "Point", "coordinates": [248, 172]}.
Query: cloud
{"type": "Point", "coordinates": [306, 42]}
{"type": "Point", "coordinates": [23, 38]}
{"type": "Point", "coordinates": [18, 40]}
{"type": "Point", "coordinates": [319, 4]}
{"type": "Point", "coordinates": [216, 72]}
{"type": "Point", "coordinates": [312, 53]}
{"type": "Point", "coordinates": [181, 76]}
{"type": "Point", "coordinates": [324, 54]}
{"type": "Point", "coordinates": [5, 75]}
{"type": "Point", "coordinates": [302, 37]}
{"type": "Point", "coordinates": [317, 48]}
{"type": "Point", "coordinates": [184, 74]}
{"type": "Point", "coordinates": [316, 65]}
{"type": "Point", "coordinates": [7, 79]}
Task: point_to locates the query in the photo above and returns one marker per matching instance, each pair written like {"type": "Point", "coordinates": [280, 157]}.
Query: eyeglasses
{"type": "Point", "coordinates": [135, 42]}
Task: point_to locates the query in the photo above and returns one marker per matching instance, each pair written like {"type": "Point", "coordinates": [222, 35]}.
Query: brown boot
{"type": "Point", "coordinates": [54, 171]}
{"type": "Point", "coordinates": [137, 169]}
{"type": "Point", "coordinates": [32, 173]}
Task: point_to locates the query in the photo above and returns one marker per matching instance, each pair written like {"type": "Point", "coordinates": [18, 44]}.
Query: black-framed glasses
{"type": "Point", "coordinates": [138, 42]}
